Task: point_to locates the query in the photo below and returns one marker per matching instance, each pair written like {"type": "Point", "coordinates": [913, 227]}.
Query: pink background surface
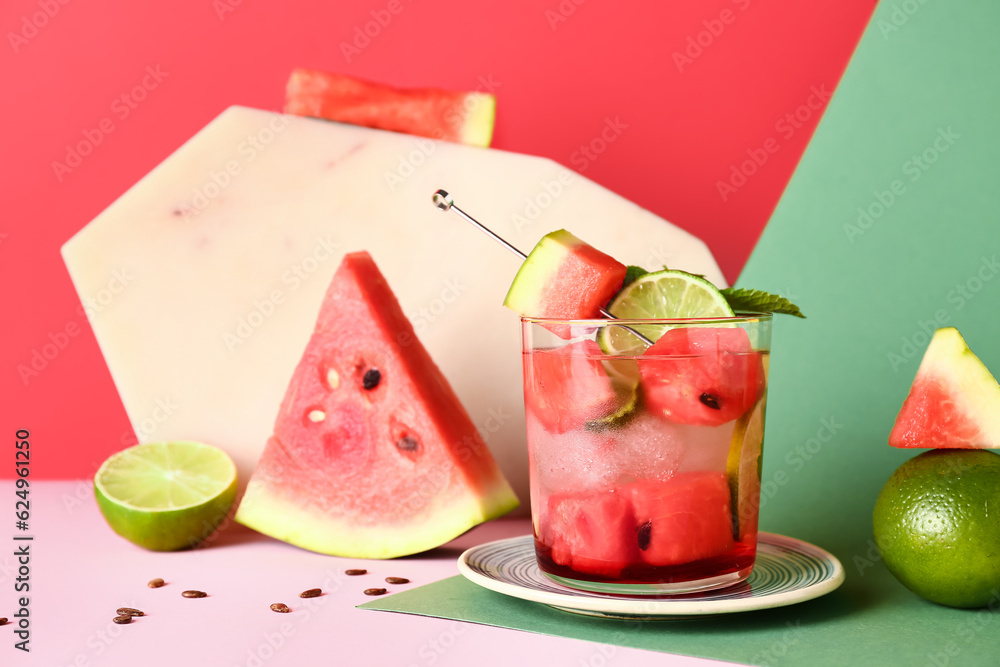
{"type": "Point", "coordinates": [689, 124]}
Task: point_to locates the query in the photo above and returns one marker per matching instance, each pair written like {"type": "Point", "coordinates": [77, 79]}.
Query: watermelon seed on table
{"type": "Point", "coordinates": [375, 591]}
{"type": "Point", "coordinates": [156, 583]}
{"type": "Point", "coordinates": [397, 580]}
{"type": "Point", "coordinates": [311, 593]}
{"type": "Point", "coordinates": [281, 608]}
{"type": "Point", "coordinates": [355, 573]}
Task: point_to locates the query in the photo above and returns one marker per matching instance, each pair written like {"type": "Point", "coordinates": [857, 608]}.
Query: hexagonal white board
{"type": "Point", "coordinates": [203, 282]}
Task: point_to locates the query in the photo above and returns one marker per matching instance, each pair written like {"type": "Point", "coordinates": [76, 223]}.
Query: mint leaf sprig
{"type": "Point", "coordinates": [755, 299]}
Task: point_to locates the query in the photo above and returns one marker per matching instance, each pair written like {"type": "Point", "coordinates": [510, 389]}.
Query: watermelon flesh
{"type": "Point", "coordinates": [647, 523]}
{"type": "Point", "coordinates": [373, 455]}
{"type": "Point", "coordinates": [568, 386]}
{"type": "Point", "coordinates": [706, 376]}
{"type": "Point", "coordinates": [588, 532]}
{"type": "Point", "coordinates": [427, 112]}
{"type": "Point", "coordinates": [564, 278]}
{"type": "Point", "coordinates": [954, 402]}
{"type": "Point", "coordinates": [685, 519]}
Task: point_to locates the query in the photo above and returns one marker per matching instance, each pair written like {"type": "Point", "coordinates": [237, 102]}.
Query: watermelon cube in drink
{"type": "Point", "coordinates": [645, 462]}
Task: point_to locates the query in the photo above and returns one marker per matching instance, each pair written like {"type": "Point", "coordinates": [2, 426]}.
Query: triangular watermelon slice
{"type": "Point", "coordinates": [954, 402]}
{"type": "Point", "coordinates": [373, 455]}
{"type": "Point", "coordinates": [461, 117]}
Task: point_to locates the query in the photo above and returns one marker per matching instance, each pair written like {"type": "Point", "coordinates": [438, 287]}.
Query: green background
{"type": "Point", "coordinates": [926, 71]}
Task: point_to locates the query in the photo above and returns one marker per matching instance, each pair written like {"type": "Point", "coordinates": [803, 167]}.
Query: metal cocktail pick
{"type": "Point", "coordinates": [445, 202]}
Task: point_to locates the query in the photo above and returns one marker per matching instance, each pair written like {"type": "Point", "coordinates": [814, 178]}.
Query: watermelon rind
{"type": "Point", "coordinates": [564, 278]}
{"type": "Point", "coordinates": [954, 401]}
{"type": "Point", "coordinates": [477, 129]}
{"type": "Point", "coordinates": [266, 510]}
{"type": "Point", "coordinates": [537, 271]}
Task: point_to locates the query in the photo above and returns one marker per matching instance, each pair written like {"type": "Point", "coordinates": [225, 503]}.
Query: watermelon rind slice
{"type": "Point", "coordinates": [564, 277]}
{"type": "Point", "coordinates": [954, 401]}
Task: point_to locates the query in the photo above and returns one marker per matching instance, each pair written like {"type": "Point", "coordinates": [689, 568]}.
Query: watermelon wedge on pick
{"type": "Point", "coordinates": [954, 402]}
{"type": "Point", "coordinates": [564, 278]}
{"type": "Point", "coordinates": [373, 455]}
{"type": "Point", "coordinates": [461, 117]}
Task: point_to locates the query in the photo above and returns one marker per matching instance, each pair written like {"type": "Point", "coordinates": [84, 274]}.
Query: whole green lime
{"type": "Point", "coordinates": [937, 525]}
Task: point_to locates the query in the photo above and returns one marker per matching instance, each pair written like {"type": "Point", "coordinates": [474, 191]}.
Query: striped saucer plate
{"type": "Point", "coordinates": [787, 571]}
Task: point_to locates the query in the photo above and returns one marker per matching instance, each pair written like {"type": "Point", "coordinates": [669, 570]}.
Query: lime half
{"type": "Point", "coordinates": [166, 495]}
{"type": "Point", "coordinates": [660, 295]}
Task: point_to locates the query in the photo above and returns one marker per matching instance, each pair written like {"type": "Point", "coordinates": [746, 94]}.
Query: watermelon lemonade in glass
{"type": "Point", "coordinates": [645, 461]}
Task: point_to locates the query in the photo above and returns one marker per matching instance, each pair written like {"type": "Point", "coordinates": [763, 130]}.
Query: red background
{"type": "Point", "coordinates": [562, 69]}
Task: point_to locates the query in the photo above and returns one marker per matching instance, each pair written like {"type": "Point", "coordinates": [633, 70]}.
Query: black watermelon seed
{"type": "Point", "coordinates": [407, 443]}
{"type": "Point", "coordinates": [711, 400]}
{"type": "Point", "coordinates": [644, 533]}
{"type": "Point", "coordinates": [371, 379]}
{"type": "Point", "coordinates": [375, 591]}
{"type": "Point", "coordinates": [355, 573]}
{"type": "Point", "coordinates": [397, 580]}
{"type": "Point", "coordinates": [3, 621]}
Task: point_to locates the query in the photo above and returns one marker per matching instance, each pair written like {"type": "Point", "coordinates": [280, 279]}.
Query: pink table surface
{"type": "Point", "coordinates": [80, 572]}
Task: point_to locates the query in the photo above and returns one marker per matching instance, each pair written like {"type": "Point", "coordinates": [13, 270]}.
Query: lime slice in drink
{"type": "Point", "coordinates": [166, 495]}
{"type": "Point", "coordinates": [659, 295]}
{"type": "Point", "coordinates": [743, 468]}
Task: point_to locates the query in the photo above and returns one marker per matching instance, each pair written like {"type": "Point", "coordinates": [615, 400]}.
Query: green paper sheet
{"type": "Point", "coordinates": [889, 229]}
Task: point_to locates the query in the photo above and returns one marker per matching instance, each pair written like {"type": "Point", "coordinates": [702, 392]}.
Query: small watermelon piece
{"type": "Point", "coordinates": [591, 532]}
{"type": "Point", "coordinates": [954, 402]}
{"type": "Point", "coordinates": [703, 376]}
{"type": "Point", "coordinates": [683, 519]}
{"type": "Point", "coordinates": [566, 387]}
{"type": "Point", "coordinates": [373, 455]}
{"type": "Point", "coordinates": [461, 117]}
{"type": "Point", "coordinates": [564, 278]}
